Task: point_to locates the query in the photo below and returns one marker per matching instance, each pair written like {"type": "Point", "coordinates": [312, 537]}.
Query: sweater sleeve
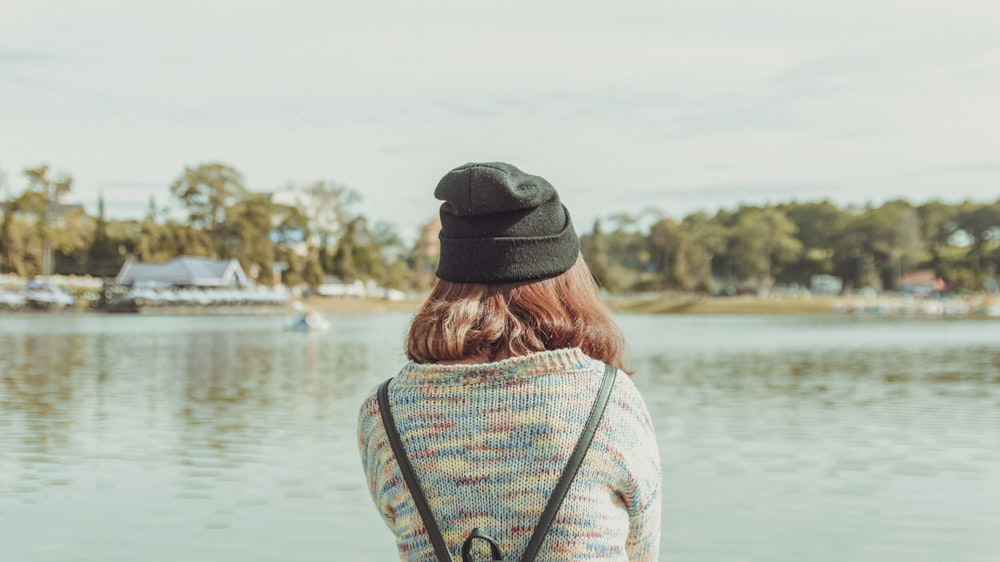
{"type": "Point", "coordinates": [645, 480]}
{"type": "Point", "coordinates": [372, 446]}
{"type": "Point", "coordinates": [643, 544]}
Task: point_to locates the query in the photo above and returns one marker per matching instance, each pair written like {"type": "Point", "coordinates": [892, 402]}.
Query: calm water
{"type": "Point", "coordinates": [228, 439]}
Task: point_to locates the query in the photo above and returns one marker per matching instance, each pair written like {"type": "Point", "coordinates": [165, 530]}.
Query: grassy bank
{"type": "Point", "coordinates": [333, 306]}
{"type": "Point", "coordinates": [626, 305]}
{"type": "Point", "coordinates": [689, 304]}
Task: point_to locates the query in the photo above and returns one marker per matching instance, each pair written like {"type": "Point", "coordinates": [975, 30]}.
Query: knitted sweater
{"type": "Point", "coordinates": [488, 443]}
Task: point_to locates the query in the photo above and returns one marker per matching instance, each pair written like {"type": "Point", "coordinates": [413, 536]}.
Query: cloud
{"type": "Point", "coordinates": [736, 191]}
{"type": "Point", "coordinates": [963, 168]}
{"type": "Point", "coordinates": [834, 67]}
{"type": "Point", "coordinates": [20, 67]}
{"type": "Point", "coordinates": [741, 114]}
{"type": "Point", "coordinates": [10, 57]}
{"type": "Point", "coordinates": [692, 104]}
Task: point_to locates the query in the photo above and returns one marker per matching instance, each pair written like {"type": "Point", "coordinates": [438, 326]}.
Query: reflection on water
{"type": "Point", "coordinates": [826, 439]}
{"type": "Point", "coordinates": [185, 438]}
{"type": "Point", "coordinates": [224, 439]}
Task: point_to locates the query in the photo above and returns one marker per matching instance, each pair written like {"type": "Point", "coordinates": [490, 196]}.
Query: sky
{"type": "Point", "coordinates": [670, 105]}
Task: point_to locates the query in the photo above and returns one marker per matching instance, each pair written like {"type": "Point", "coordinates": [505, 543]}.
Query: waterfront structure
{"type": "Point", "coordinates": [190, 285]}
{"type": "Point", "coordinates": [185, 271]}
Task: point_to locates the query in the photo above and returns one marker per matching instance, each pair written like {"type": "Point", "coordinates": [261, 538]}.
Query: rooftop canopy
{"type": "Point", "coordinates": [185, 271]}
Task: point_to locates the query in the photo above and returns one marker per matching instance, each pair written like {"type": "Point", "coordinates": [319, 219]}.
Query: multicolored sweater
{"type": "Point", "coordinates": [488, 443]}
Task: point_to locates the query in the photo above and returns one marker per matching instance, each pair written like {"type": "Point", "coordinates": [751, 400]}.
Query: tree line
{"type": "Point", "coordinates": [318, 232]}
{"type": "Point", "coordinates": [310, 231]}
{"type": "Point", "coordinates": [787, 244]}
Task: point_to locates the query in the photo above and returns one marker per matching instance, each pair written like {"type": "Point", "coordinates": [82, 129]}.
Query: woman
{"type": "Point", "coordinates": [506, 358]}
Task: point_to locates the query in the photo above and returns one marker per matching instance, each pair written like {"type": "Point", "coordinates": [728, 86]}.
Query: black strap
{"type": "Point", "coordinates": [558, 494]}
{"type": "Point", "coordinates": [572, 466]}
{"type": "Point", "coordinates": [410, 477]}
{"type": "Point", "coordinates": [477, 534]}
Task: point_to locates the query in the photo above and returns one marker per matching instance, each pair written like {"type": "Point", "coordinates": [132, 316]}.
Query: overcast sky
{"type": "Point", "coordinates": [675, 105]}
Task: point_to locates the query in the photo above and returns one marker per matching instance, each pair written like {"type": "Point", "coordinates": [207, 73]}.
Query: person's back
{"type": "Point", "coordinates": [506, 359]}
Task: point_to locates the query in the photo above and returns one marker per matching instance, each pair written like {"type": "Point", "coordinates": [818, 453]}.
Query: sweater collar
{"type": "Point", "coordinates": [524, 366]}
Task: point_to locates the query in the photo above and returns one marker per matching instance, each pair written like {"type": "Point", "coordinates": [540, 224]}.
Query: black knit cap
{"type": "Point", "coordinates": [499, 224]}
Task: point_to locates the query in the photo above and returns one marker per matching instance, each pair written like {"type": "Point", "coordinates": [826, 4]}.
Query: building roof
{"type": "Point", "coordinates": [918, 277]}
{"type": "Point", "coordinates": [187, 271]}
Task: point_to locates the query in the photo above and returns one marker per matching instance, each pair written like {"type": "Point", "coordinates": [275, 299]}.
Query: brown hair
{"type": "Point", "coordinates": [498, 320]}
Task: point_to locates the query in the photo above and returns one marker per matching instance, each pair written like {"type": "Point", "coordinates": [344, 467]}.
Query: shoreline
{"type": "Point", "coordinates": [987, 306]}
{"type": "Point", "coordinates": [691, 304]}
{"type": "Point", "coordinates": [619, 305]}
{"type": "Point", "coordinates": [825, 305]}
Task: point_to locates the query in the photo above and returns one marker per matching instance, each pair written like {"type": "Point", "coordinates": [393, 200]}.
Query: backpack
{"type": "Point", "coordinates": [551, 508]}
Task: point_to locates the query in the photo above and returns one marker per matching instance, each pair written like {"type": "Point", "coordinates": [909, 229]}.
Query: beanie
{"type": "Point", "coordinates": [499, 224]}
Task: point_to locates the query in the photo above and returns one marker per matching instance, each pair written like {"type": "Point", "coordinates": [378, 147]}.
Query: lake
{"type": "Point", "coordinates": [821, 438]}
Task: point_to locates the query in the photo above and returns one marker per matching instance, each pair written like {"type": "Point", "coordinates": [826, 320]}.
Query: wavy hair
{"type": "Point", "coordinates": [459, 321]}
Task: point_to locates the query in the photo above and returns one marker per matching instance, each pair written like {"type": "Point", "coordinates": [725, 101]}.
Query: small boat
{"type": "Point", "coordinates": [310, 322]}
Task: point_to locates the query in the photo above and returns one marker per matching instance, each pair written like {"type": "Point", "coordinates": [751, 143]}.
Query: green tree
{"type": "Point", "coordinates": [353, 258]}
{"type": "Point", "coordinates": [174, 239]}
{"type": "Point", "coordinates": [939, 222]}
{"type": "Point", "coordinates": [424, 255]}
{"type": "Point", "coordinates": [879, 243]}
{"type": "Point", "coordinates": [6, 227]}
{"type": "Point", "coordinates": [595, 253]}
{"type": "Point", "coordinates": [207, 191]}
{"type": "Point", "coordinates": [665, 239]}
{"type": "Point", "coordinates": [23, 245]}
{"type": "Point", "coordinates": [981, 223]}
{"type": "Point", "coordinates": [249, 225]}
{"type": "Point", "coordinates": [392, 269]}
{"type": "Point", "coordinates": [908, 244]}
{"type": "Point", "coordinates": [328, 209]}
{"type": "Point", "coordinates": [818, 224]}
{"type": "Point", "coordinates": [702, 240]}
{"type": "Point", "coordinates": [683, 252]}
{"type": "Point", "coordinates": [41, 197]}
{"type": "Point", "coordinates": [312, 271]}
{"type": "Point", "coordinates": [763, 241]}
{"type": "Point", "coordinates": [71, 236]}
{"type": "Point", "coordinates": [103, 258]}
{"type": "Point", "coordinates": [629, 266]}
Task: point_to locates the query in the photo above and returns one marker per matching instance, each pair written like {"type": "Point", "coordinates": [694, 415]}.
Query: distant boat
{"type": "Point", "coordinates": [49, 299]}
{"type": "Point", "coordinates": [310, 322]}
{"type": "Point", "coordinates": [12, 301]}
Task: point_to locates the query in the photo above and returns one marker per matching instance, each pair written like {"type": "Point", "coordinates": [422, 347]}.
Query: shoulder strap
{"type": "Point", "coordinates": [572, 466]}
{"type": "Point", "coordinates": [440, 548]}
{"type": "Point", "coordinates": [558, 494]}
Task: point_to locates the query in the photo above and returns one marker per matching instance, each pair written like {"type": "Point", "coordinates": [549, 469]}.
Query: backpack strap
{"type": "Point", "coordinates": [410, 477]}
{"type": "Point", "coordinates": [558, 494]}
{"type": "Point", "coordinates": [572, 466]}
{"type": "Point", "coordinates": [477, 534]}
